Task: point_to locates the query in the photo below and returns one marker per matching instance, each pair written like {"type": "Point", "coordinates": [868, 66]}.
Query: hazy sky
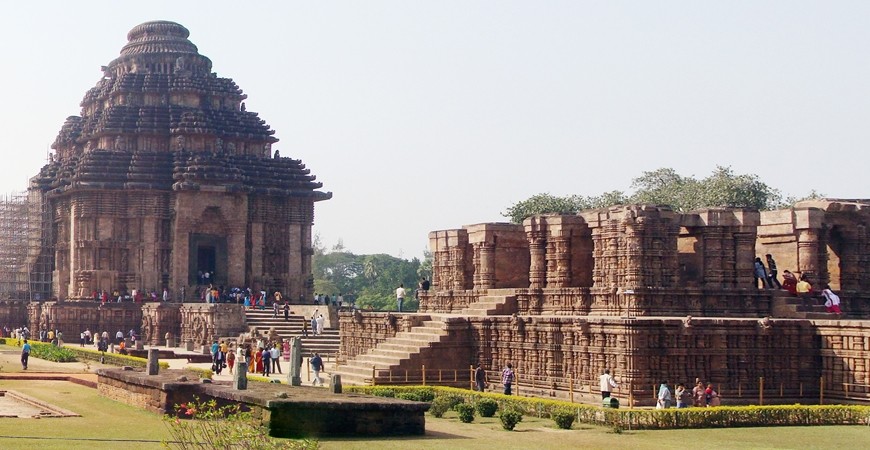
{"type": "Point", "coordinates": [421, 116]}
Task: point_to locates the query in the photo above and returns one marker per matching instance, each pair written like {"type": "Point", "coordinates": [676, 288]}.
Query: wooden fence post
{"type": "Point", "coordinates": [424, 374]}
{"type": "Point", "coordinates": [631, 395]}
{"type": "Point", "coordinates": [821, 390]}
{"type": "Point", "coordinates": [570, 388]}
{"type": "Point", "coordinates": [373, 376]}
{"type": "Point", "coordinates": [760, 391]}
{"type": "Point", "coordinates": [471, 377]}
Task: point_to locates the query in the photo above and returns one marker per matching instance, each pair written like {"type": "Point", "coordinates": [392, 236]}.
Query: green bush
{"type": "Point", "coordinates": [510, 418]}
{"type": "Point", "coordinates": [487, 407]}
{"type": "Point", "coordinates": [465, 412]}
{"type": "Point", "coordinates": [564, 418]}
{"type": "Point", "coordinates": [718, 417]}
{"type": "Point", "coordinates": [50, 352]}
{"type": "Point", "coordinates": [382, 392]}
{"type": "Point", "coordinates": [440, 405]}
{"type": "Point", "coordinates": [113, 359]}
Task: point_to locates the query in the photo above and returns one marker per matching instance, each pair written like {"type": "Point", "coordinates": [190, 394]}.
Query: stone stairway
{"type": "Point", "coordinates": [392, 357]}
{"type": "Point", "coordinates": [786, 306]}
{"type": "Point", "coordinates": [493, 304]}
{"type": "Point", "coordinates": [326, 344]}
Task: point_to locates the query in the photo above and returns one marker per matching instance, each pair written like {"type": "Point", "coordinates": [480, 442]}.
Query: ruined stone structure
{"type": "Point", "coordinates": [642, 290]}
{"type": "Point", "coordinates": [165, 175]}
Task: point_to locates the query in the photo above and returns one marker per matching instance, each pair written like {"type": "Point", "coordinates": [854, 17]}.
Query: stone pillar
{"type": "Point", "coordinates": [240, 376]}
{"type": "Point", "coordinates": [335, 384]}
{"type": "Point", "coordinates": [744, 259]}
{"type": "Point", "coordinates": [808, 253]}
{"type": "Point", "coordinates": [714, 273]}
{"type": "Point", "coordinates": [558, 262]}
{"type": "Point", "coordinates": [294, 375]}
{"type": "Point", "coordinates": [484, 265]}
{"type": "Point", "coordinates": [538, 268]}
{"type": "Point", "coordinates": [153, 362]}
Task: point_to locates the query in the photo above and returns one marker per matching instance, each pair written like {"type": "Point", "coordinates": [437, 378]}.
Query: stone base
{"type": "Point", "coordinates": [306, 412]}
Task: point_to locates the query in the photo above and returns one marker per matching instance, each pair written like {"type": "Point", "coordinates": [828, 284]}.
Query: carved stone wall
{"type": "Point", "coordinates": [203, 323]}
{"type": "Point", "coordinates": [13, 313]}
{"type": "Point", "coordinates": [72, 318]}
{"type": "Point", "coordinates": [159, 319]}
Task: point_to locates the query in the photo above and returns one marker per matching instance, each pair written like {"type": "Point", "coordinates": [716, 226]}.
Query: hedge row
{"type": "Point", "coordinates": [718, 417]}
{"type": "Point", "coordinates": [45, 350]}
{"type": "Point", "coordinates": [114, 359]}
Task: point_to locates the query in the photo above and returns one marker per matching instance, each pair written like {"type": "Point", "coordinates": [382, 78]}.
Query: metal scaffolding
{"type": "Point", "coordinates": [26, 257]}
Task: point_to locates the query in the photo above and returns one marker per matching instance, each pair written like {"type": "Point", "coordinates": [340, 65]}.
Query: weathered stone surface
{"type": "Point", "coordinates": [303, 412]}
{"type": "Point", "coordinates": [647, 292]}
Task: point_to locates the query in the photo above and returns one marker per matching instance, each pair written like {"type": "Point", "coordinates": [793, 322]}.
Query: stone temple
{"type": "Point", "coordinates": [164, 175]}
{"type": "Point", "coordinates": [645, 291]}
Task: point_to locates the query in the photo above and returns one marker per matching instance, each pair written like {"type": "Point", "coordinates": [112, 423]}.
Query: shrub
{"type": "Point", "coordinates": [204, 425]}
{"type": "Point", "coordinates": [564, 418]}
{"type": "Point", "coordinates": [487, 407]}
{"type": "Point", "coordinates": [440, 405]}
{"type": "Point", "coordinates": [382, 392]}
{"type": "Point", "coordinates": [465, 411]}
{"type": "Point", "coordinates": [510, 418]}
{"type": "Point", "coordinates": [51, 352]}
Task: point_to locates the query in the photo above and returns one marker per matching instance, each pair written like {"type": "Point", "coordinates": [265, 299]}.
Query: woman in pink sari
{"type": "Point", "coordinates": [285, 350]}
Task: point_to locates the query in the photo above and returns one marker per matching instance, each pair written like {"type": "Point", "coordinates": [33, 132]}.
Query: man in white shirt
{"type": "Point", "coordinates": [400, 296]}
{"type": "Point", "coordinates": [607, 382]}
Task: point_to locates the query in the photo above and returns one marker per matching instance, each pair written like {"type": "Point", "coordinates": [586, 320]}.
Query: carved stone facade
{"type": "Point", "coordinates": [644, 291]}
{"type": "Point", "coordinates": [165, 174]}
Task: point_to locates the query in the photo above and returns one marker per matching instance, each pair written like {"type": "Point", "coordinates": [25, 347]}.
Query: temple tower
{"type": "Point", "coordinates": [165, 174]}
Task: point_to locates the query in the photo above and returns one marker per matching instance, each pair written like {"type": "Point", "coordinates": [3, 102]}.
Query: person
{"type": "Point", "coordinates": [683, 395]}
{"type": "Point", "coordinates": [711, 397]}
{"type": "Point", "coordinates": [771, 272]}
{"type": "Point", "coordinates": [400, 296]}
{"type": "Point", "coordinates": [314, 325]}
{"type": "Point", "coordinates": [25, 354]}
{"type": "Point", "coordinates": [804, 288]}
{"type": "Point", "coordinates": [215, 348]}
{"type": "Point", "coordinates": [698, 393]}
{"type": "Point", "coordinates": [317, 366]}
{"type": "Point", "coordinates": [267, 360]}
{"type": "Point", "coordinates": [664, 397]}
{"type": "Point", "coordinates": [320, 320]}
{"type": "Point", "coordinates": [285, 349]}
{"type": "Point", "coordinates": [760, 274]}
{"type": "Point", "coordinates": [304, 327]}
{"type": "Point", "coordinates": [606, 382]}
{"type": "Point", "coordinates": [218, 365]}
{"type": "Point", "coordinates": [119, 336]}
{"type": "Point", "coordinates": [507, 378]}
{"type": "Point", "coordinates": [480, 378]}
{"type": "Point", "coordinates": [287, 311]}
{"type": "Point", "coordinates": [82, 339]}
{"type": "Point", "coordinates": [231, 360]}
{"type": "Point", "coordinates": [276, 360]}
{"type": "Point", "coordinates": [275, 306]}
{"type": "Point", "coordinates": [165, 294]}
{"type": "Point", "coordinates": [425, 284]}
{"type": "Point", "coordinates": [258, 361]}
{"type": "Point", "coordinates": [789, 282]}
{"type": "Point", "coordinates": [832, 300]}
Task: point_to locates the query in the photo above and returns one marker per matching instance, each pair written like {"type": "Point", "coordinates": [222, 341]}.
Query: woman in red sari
{"type": "Point", "coordinates": [259, 360]}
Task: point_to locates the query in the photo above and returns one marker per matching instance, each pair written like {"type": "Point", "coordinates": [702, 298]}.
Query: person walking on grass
{"type": "Point", "coordinates": [507, 378]}
{"type": "Point", "coordinates": [25, 354]}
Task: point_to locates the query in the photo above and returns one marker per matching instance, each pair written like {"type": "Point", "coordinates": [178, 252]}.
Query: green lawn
{"type": "Point", "coordinates": [106, 424]}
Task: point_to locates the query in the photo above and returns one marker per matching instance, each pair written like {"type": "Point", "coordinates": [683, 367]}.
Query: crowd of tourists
{"type": "Point", "coordinates": [766, 278]}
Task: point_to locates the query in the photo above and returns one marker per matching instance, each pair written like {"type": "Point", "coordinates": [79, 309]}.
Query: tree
{"type": "Point", "coordinates": [723, 188]}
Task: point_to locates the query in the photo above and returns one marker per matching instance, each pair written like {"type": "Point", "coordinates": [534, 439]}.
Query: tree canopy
{"type": "Point", "coordinates": [722, 188]}
{"type": "Point", "coordinates": [370, 279]}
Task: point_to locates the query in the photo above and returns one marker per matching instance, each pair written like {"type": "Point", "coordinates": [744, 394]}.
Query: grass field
{"type": "Point", "coordinates": [106, 424]}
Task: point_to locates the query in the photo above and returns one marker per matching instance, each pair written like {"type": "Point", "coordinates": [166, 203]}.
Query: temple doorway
{"type": "Point", "coordinates": [208, 253]}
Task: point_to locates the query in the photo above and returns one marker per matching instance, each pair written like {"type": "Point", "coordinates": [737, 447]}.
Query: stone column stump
{"type": "Point", "coordinates": [335, 384]}
{"type": "Point", "coordinates": [153, 362]}
{"type": "Point", "coordinates": [294, 375]}
{"type": "Point", "coordinates": [240, 377]}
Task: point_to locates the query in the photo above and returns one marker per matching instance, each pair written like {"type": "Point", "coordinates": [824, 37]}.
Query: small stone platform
{"type": "Point", "coordinates": [305, 412]}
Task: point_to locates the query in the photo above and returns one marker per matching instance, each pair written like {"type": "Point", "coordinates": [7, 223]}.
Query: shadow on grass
{"type": "Point", "coordinates": [429, 435]}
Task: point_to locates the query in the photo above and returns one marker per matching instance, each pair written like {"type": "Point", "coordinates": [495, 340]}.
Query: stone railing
{"type": "Point", "coordinates": [448, 301]}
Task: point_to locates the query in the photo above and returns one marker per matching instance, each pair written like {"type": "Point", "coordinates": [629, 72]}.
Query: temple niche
{"type": "Point", "coordinates": [165, 175]}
